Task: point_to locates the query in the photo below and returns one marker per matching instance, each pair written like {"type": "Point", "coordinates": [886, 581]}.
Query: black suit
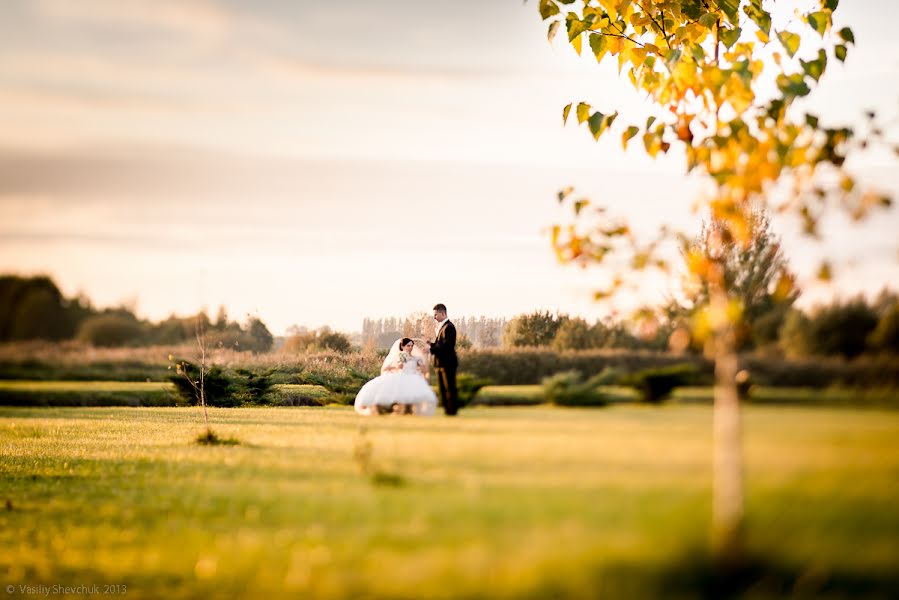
{"type": "Point", "coordinates": [444, 352]}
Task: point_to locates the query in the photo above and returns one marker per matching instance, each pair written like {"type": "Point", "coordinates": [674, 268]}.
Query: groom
{"type": "Point", "coordinates": [443, 349]}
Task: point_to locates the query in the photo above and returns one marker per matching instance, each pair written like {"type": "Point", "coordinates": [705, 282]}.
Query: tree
{"type": "Point", "coordinates": [838, 328]}
{"type": "Point", "coordinates": [576, 334]}
{"type": "Point", "coordinates": [261, 336]}
{"type": "Point", "coordinates": [534, 329]}
{"type": "Point", "coordinates": [885, 336]}
{"type": "Point", "coordinates": [755, 275]}
{"type": "Point", "coordinates": [111, 330]}
{"type": "Point", "coordinates": [704, 67]}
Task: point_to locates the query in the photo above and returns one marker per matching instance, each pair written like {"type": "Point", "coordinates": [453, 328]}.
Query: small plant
{"type": "Point", "coordinates": [210, 438]}
{"type": "Point", "coordinates": [199, 385]}
{"type": "Point", "coordinates": [363, 452]}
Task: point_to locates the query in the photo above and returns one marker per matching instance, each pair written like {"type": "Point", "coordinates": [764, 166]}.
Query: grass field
{"type": "Point", "coordinates": [499, 503]}
{"type": "Point", "coordinates": [129, 393]}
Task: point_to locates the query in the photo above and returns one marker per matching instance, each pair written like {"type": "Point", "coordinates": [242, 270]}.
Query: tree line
{"type": "Point", "coordinates": [33, 308]}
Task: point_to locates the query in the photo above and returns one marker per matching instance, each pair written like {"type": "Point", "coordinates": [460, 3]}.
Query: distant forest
{"type": "Point", "coordinates": [480, 332]}
{"type": "Point", "coordinates": [33, 308]}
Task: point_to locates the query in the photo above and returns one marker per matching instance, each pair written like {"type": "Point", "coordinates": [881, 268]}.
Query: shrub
{"type": "Point", "coordinates": [250, 387]}
{"type": "Point", "coordinates": [568, 389]}
{"type": "Point", "coordinates": [530, 366]}
{"type": "Point", "coordinates": [467, 386]}
{"type": "Point", "coordinates": [657, 384]}
{"type": "Point", "coordinates": [217, 386]}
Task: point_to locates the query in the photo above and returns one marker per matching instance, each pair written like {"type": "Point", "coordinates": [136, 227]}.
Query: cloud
{"type": "Point", "coordinates": [194, 17]}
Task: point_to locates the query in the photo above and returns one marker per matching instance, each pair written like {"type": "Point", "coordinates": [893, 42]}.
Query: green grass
{"type": "Point", "coordinates": [88, 393]}
{"type": "Point", "coordinates": [532, 502]}
{"type": "Point", "coordinates": [131, 393]}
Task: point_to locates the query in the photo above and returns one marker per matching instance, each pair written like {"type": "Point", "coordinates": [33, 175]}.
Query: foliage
{"type": "Point", "coordinates": [706, 70]}
{"type": "Point", "coordinates": [755, 275]}
{"type": "Point", "coordinates": [885, 337]}
{"type": "Point", "coordinates": [530, 366]}
{"type": "Point", "coordinates": [110, 330]}
{"type": "Point", "coordinates": [568, 388]}
{"type": "Point", "coordinates": [261, 336]}
{"type": "Point", "coordinates": [838, 328]}
{"type": "Point", "coordinates": [467, 386]}
{"type": "Point", "coordinates": [576, 334]}
{"type": "Point", "coordinates": [322, 339]}
{"type": "Point", "coordinates": [538, 328]}
{"type": "Point", "coordinates": [657, 384]}
{"type": "Point", "coordinates": [251, 387]}
{"type": "Point", "coordinates": [34, 308]}
{"type": "Point", "coordinates": [219, 387]}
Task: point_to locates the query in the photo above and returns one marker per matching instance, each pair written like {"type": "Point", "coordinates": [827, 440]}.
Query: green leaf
{"type": "Point", "coordinates": [815, 68]}
{"type": "Point", "coordinates": [729, 8]}
{"type": "Point", "coordinates": [553, 28]}
{"type": "Point", "coordinates": [548, 8]}
{"type": "Point", "coordinates": [729, 36]}
{"type": "Point", "coordinates": [583, 112]}
{"type": "Point", "coordinates": [819, 21]}
{"type": "Point", "coordinates": [812, 121]}
{"type": "Point", "coordinates": [565, 112]}
{"type": "Point", "coordinates": [672, 56]}
{"type": "Point", "coordinates": [599, 44]}
{"type": "Point", "coordinates": [597, 124]}
{"type": "Point", "coordinates": [840, 52]}
{"type": "Point", "coordinates": [649, 121]}
{"type": "Point", "coordinates": [846, 34]}
{"type": "Point", "coordinates": [575, 26]}
{"type": "Point", "coordinates": [793, 85]}
{"type": "Point", "coordinates": [708, 20]}
{"type": "Point", "coordinates": [830, 5]}
{"type": "Point", "coordinates": [628, 134]}
{"type": "Point", "coordinates": [760, 16]}
{"type": "Point", "coordinates": [790, 42]}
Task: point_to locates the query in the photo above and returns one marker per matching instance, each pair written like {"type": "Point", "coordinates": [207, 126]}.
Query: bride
{"type": "Point", "coordinates": [402, 386]}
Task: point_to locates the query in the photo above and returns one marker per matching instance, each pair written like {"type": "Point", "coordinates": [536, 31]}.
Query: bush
{"type": "Point", "coordinates": [467, 386]}
{"type": "Point", "coordinates": [531, 366]}
{"type": "Point", "coordinates": [568, 389]}
{"type": "Point", "coordinates": [251, 388]}
{"type": "Point", "coordinates": [218, 388]}
{"type": "Point", "coordinates": [657, 384]}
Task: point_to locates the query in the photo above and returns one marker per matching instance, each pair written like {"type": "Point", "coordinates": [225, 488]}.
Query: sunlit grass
{"type": "Point", "coordinates": [499, 503]}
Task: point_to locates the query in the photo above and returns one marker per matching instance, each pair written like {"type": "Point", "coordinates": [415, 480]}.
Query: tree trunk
{"type": "Point", "coordinates": [728, 461]}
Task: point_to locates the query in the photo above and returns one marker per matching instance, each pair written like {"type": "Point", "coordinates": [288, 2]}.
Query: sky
{"type": "Point", "coordinates": [315, 163]}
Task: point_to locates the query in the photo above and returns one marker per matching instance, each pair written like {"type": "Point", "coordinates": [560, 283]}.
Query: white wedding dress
{"type": "Point", "coordinates": [398, 389]}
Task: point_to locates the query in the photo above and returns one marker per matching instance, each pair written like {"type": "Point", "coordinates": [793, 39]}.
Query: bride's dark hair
{"type": "Point", "coordinates": [404, 341]}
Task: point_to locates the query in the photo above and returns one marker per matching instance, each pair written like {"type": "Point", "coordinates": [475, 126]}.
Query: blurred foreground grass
{"type": "Point", "coordinates": [530, 502]}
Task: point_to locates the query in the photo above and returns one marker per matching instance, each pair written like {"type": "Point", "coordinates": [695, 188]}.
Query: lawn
{"type": "Point", "coordinates": [531, 502]}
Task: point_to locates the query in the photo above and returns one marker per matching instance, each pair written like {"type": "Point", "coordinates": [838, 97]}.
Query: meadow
{"type": "Point", "coordinates": [516, 502]}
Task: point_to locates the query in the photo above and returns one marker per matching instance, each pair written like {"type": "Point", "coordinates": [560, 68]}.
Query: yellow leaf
{"type": "Point", "coordinates": [576, 44]}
